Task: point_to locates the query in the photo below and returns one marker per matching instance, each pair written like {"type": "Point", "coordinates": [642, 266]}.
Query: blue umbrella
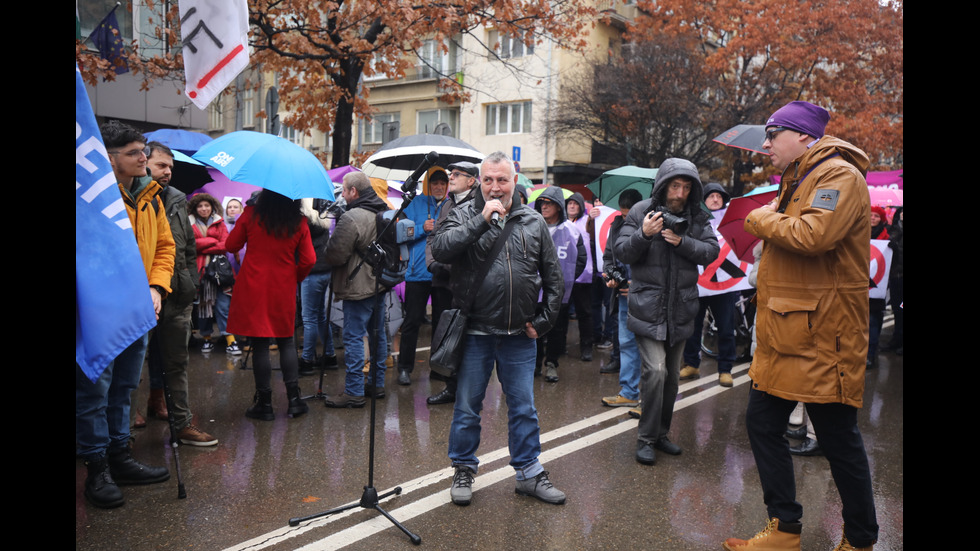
{"type": "Point", "coordinates": [184, 141]}
{"type": "Point", "coordinates": [269, 162]}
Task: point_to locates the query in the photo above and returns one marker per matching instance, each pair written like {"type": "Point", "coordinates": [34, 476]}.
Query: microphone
{"type": "Point", "coordinates": [495, 218]}
{"type": "Point", "coordinates": [412, 182]}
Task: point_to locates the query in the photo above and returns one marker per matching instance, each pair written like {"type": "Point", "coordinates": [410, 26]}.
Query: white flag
{"type": "Point", "coordinates": [214, 34]}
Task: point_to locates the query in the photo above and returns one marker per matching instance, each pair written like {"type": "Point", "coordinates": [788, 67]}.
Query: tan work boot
{"type": "Point", "coordinates": [725, 379]}
{"type": "Point", "coordinates": [689, 372]}
{"type": "Point", "coordinates": [845, 545]}
{"type": "Point", "coordinates": [776, 536]}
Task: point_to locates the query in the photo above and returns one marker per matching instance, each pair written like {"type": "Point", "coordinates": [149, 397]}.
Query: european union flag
{"type": "Point", "coordinates": [112, 297]}
{"type": "Point", "coordinates": [108, 40]}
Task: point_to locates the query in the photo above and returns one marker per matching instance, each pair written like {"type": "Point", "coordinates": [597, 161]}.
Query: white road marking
{"type": "Point", "coordinates": [428, 503]}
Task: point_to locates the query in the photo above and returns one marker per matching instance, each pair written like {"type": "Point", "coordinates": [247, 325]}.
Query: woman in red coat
{"type": "Point", "coordinates": [280, 255]}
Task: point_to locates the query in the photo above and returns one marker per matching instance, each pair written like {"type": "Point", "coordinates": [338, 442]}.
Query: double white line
{"type": "Point", "coordinates": [432, 501]}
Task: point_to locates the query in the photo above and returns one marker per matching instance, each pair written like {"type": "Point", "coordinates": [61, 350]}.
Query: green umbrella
{"type": "Point", "coordinates": [613, 182]}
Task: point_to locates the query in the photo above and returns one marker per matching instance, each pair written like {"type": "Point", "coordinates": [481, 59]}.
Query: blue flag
{"type": "Point", "coordinates": [108, 39]}
{"type": "Point", "coordinates": [112, 297]}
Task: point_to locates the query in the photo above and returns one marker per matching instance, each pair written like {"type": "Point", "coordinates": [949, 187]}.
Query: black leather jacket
{"type": "Point", "coordinates": [527, 264]}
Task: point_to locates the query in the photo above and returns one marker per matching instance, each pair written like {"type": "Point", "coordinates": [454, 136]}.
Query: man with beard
{"type": "Point", "coordinates": [664, 251]}
{"type": "Point", "coordinates": [167, 353]}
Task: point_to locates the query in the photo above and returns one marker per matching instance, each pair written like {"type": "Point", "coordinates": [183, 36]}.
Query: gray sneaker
{"type": "Point", "coordinates": [550, 372]}
{"type": "Point", "coordinates": [541, 488]}
{"type": "Point", "coordinates": [461, 491]}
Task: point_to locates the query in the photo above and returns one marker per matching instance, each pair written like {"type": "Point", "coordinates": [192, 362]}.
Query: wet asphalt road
{"type": "Point", "coordinates": [242, 493]}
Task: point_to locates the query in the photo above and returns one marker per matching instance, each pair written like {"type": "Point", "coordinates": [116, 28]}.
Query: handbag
{"type": "Point", "coordinates": [450, 333]}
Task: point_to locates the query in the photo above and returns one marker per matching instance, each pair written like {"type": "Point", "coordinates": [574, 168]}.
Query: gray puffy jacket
{"type": "Point", "coordinates": [663, 295]}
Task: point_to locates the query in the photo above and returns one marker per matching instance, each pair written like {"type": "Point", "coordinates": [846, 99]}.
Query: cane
{"type": "Point", "coordinates": [181, 492]}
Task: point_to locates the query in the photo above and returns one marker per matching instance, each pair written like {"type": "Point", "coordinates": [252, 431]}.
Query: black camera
{"type": "Point", "coordinates": [615, 273]}
{"type": "Point", "coordinates": [672, 222]}
{"type": "Point", "coordinates": [330, 209]}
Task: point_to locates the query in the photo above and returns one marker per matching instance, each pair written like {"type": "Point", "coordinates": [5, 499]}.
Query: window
{"type": "Point", "coordinates": [292, 135]}
{"type": "Point", "coordinates": [509, 118]}
{"type": "Point", "coordinates": [509, 46]}
{"type": "Point", "coordinates": [216, 120]}
{"type": "Point", "coordinates": [372, 131]}
{"type": "Point", "coordinates": [436, 120]}
{"type": "Point", "coordinates": [247, 98]}
{"type": "Point", "coordinates": [434, 62]}
{"type": "Point", "coordinates": [91, 13]}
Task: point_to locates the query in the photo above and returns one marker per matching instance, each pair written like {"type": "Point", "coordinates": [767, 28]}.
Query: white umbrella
{"type": "Point", "coordinates": [398, 159]}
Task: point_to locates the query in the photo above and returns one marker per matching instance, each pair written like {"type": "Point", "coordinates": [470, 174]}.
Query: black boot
{"type": "Point", "coordinates": [297, 406]}
{"type": "Point", "coordinates": [262, 406]}
{"type": "Point", "coordinates": [100, 489]}
{"type": "Point", "coordinates": [127, 471]}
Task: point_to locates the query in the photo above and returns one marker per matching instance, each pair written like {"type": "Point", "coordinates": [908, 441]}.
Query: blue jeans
{"type": "Point", "coordinates": [102, 408]}
{"type": "Point", "coordinates": [222, 303]}
{"type": "Point", "coordinates": [313, 292]}
{"type": "Point", "coordinates": [514, 358]}
{"type": "Point", "coordinates": [629, 356]}
{"type": "Point", "coordinates": [359, 318]}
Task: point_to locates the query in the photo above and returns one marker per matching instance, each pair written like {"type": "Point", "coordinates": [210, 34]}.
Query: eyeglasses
{"type": "Point", "coordinates": [132, 152]}
{"type": "Point", "coordinates": [771, 134]}
{"type": "Point", "coordinates": [457, 174]}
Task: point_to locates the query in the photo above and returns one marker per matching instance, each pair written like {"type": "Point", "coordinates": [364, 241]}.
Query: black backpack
{"type": "Point", "coordinates": [390, 263]}
{"type": "Point", "coordinates": [219, 270]}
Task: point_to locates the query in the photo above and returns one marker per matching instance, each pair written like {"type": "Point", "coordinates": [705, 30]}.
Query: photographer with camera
{"type": "Point", "coordinates": [616, 276]}
{"type": "Point", "coordinates": [664, 239]}
{"type": "Point", "coordinates": [354, 283]}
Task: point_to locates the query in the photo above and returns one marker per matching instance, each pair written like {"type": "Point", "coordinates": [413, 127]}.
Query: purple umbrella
{"type": "Point", "coordinates": [224, 189]}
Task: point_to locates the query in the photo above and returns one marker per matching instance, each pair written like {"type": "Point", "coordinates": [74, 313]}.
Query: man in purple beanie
{"type": "Point", "coordinates": [812, 323]}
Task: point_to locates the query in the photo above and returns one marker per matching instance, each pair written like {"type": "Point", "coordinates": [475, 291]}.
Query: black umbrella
{"type": "Point", "coordinates": [398, 159]}
{"type": "Point", "coordinates": [744, 136]}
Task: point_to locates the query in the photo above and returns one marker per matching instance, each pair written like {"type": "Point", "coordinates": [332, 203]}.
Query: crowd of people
{"type": "Point", "coordinates": [476, 236]}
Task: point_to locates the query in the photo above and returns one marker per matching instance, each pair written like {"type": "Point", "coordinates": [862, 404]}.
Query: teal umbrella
{"type": "Point", "coordinates": [524, 181]}
{"type": "Point", "coordinates": [613, 182]}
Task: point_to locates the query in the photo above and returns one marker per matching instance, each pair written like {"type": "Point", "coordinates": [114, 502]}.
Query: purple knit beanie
{"type": "Point", "coordinates": [801, 116]}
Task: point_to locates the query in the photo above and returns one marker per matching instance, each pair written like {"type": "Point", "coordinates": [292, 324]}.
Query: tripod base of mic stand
{"type": "Point", "coordinates": [369, 500]}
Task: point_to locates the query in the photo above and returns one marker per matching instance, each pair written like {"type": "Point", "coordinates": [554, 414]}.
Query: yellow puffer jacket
{"type": "Point", "coordinates": [812, 324]}
{"type": "Point", "coordinates": [152, 230]}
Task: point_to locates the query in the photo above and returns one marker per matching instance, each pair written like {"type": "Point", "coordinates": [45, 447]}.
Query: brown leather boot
{"type": "Point", "coordinates": [156, 404]}
{"type": "Point", "coordinates": [776, 536]}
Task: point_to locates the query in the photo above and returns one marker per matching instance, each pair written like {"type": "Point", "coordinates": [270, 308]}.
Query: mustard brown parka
{"type": "Point", "coordinates": [148, 217]}
{"type": "Point", "coordinates": [812, 322]}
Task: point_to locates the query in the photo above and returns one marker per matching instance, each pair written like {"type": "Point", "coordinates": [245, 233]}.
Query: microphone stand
{"type": "Point", "coordinates": [370, 498]}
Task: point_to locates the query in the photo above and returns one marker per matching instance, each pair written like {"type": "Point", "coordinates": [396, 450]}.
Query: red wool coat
{"type": "Point", "coordinates": [263, 303]}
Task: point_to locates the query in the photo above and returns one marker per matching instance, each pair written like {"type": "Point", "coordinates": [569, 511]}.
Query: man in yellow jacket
{"type": "Point", "coordinates": [812, 323]}
{"type": "Point", "coordinates": [102, 408]}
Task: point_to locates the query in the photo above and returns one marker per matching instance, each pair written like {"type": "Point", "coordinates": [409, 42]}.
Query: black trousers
{"type": "Point", "coordinates": [839, 438]}
{"type": "Point", "coordinates": [552, 344]}
{"type": "Point", "coordinates": [416, 297]}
